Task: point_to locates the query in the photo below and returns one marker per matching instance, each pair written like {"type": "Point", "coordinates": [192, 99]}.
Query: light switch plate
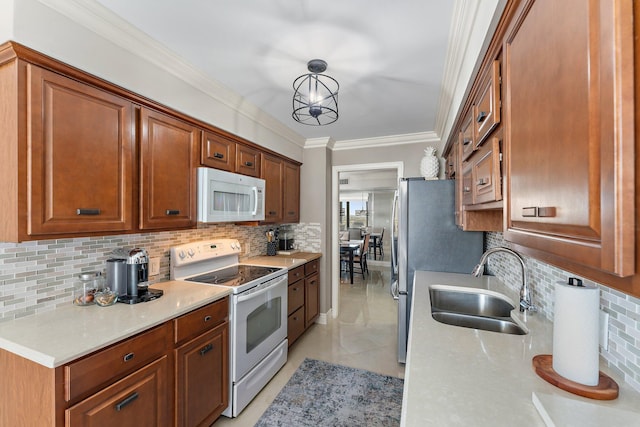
{"type": "Point", "coordinates": [604, 330]}
{"type": "Point", "coordinates": [154, 266]}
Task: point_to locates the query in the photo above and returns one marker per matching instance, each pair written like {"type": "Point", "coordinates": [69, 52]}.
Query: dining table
{"type": "Point", "coordinates": [350, 247]}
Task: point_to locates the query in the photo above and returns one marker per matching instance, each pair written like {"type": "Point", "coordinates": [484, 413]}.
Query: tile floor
{"type": "Point", "coordinates": [363, 336]}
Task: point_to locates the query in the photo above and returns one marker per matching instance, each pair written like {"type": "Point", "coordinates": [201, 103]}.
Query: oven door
{"type": "Point", "coordinates": [259, 323]}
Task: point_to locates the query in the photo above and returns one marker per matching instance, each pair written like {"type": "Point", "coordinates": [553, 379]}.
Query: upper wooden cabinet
{"type": "Point", "coordinates": [273, 174]}
{"type": "Point", "coordinates": [486, 109]}
{"type": "Point", "coordinates": [570, 137]}
{"type": "Point", "coordinates": [291, 193]}
{"type": "Point", "coordinates": [466, 137]}
{"type": "Point", "coordinates": [168, 162]}
{"type": "Point", "coordinates": [218, 152]}
{"type": "Point", "coordinates": [80, 155]}
{"type": "Point", "coordinates": [248, 160]}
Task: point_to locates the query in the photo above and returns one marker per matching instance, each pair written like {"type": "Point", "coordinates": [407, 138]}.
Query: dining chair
{"type": "Point", "coordinates": [361, 257]}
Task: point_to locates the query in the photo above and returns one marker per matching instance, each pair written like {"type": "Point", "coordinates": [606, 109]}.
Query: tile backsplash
{"type": "Point", "coordinates": [39, 276]}
{"type": "Point", "coordinates": [623, 354]}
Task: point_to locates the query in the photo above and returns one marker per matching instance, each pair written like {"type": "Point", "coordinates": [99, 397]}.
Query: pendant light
{"type": "Point", "coordinates": [315, 98]}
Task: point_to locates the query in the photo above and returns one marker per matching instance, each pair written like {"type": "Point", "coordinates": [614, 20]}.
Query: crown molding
{"type": "Point", "coordinates": [387, 141]}
{"type": "Point", "coordinates": [326, 142]}
{"type": "Point", "coordinates": [102, 21]}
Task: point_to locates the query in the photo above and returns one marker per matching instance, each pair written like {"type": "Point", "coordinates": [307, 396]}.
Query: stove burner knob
{"type": "Point", "coordinates": [181, 254]}
{"type": "Point", "coordinates": [191, 253]}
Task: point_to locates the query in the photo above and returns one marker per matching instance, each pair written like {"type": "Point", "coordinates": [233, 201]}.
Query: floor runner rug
{"type": "Point", "coordinates": [324, 394]}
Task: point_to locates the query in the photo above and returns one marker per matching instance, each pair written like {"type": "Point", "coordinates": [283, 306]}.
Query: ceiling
{"type": "Point", "coordinates": [389, 57]}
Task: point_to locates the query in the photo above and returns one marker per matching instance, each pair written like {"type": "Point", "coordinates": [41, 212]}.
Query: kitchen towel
{"type": "Point", "coordinates": [575, 332]}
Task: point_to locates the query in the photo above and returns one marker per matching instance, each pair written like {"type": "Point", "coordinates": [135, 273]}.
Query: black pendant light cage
{"type": "Point", "coordinates": [315, 97]}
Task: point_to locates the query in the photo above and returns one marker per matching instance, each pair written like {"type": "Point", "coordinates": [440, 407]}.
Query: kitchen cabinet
{"type": "Point", "coordinates": [486, 181]}
{"type": "Point", "coordinates": [570, 139]}
{"type": "Point", "coordinates": [218, 152]}
{"type": "Point", "coordinates": [248, 160]}
{"type": "Point", "coordinates": [51, 185]}
{"type": "Point", "coordinates": [291, 193]}
{"type": "Point", "coordinates": [137, 400]}
{"type": "Point", "coordinates": [303, 299]}
{"type": "Point", "coordinates": [202, 364]}
{"type": "Point", "coordinates": [467, 137]}
{"type": "Point", "coordinates": [273, 174]}
{"type": "Point", "coordinates": [486, 109]}
{"type": "Point", "coordinates": [168, 162]}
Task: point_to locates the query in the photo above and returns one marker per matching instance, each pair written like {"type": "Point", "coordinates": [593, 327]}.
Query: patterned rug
{"type": "Point", "coordinates": [324, 394]}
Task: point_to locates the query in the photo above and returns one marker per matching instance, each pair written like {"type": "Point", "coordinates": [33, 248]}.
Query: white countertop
{"type": "Point", "coordinates": [462, 376]}
{"type": "Point", "coordinates": [59, 336]}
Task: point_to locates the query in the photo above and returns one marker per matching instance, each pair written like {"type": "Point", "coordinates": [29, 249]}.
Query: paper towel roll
{"type": "Point", "coordinates": [575, 333]}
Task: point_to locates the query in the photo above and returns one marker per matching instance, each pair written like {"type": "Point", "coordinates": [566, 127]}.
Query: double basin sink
{"type": "Point", "coordinates": [474, 308]}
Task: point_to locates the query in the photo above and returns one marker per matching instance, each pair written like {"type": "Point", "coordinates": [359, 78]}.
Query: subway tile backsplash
{"type": "Point", "coordinates": [623, 354]}
{"type": "Point", "coordinates": [39, 276]}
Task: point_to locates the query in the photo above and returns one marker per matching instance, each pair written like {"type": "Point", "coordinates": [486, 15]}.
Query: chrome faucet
{"type": "Point", "coordinates": [525, 291]}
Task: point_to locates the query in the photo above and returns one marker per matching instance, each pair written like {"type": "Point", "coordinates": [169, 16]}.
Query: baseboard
{"type": "Point", "coordinates": [323, 318]}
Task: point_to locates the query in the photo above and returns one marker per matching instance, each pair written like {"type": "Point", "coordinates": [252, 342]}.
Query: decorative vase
{"type": "Point", "coordinates": [429, 165]}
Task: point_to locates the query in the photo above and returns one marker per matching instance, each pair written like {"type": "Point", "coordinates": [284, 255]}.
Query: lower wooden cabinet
{"type": "Point", "coordinates": [202, 378]}
{"type": "Point", "coordinates": [304, 299]}
{"type": "Point", "coordinates": [138, 400]}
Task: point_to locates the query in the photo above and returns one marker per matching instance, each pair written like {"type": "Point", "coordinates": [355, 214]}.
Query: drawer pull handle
{"type": "Point", "coordinates": [248, 164]}
{"type": "Point", "coordinates": [466, 190]}
{"type": "Point", "coordinates": [206, 349]}
{"type": "Point", "coordinates": [81, 211]}
{"type": "Point", "coordinates": [127, 400]}
{"type": "Point", "coordinates": [172, 212]}
{"type": "Point", "coordinates": [483, 181]}
{"type": "Point", "coordinates": [539, 212]}
{"type": "Point", "coordinates": [481, 116]}
{"type": "Point", "coordinates": [129, 356]}
{"type": "Point", "coordinates": [218, 155]}
{"type": "Point", "coordinates": [207, 318]}
{"type": "Point", "coordinates": [291, 213]}
{"type": "Point", "coordinates": [466, 141]}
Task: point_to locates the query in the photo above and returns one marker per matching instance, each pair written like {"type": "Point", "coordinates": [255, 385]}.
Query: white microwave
{"type": "Point", "coordinates": [229, 197]}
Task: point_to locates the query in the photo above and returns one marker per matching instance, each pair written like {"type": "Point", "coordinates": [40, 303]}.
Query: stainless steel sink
{"type": "Point", "coordinates": [473, 308]}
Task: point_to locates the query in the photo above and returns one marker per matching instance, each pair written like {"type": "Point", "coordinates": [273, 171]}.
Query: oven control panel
{"type": "Point", "coordinates": [204, 250]}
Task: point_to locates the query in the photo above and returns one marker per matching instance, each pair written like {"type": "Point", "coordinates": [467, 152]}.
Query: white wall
{"type": "Point", "coordinates": [6, 20]}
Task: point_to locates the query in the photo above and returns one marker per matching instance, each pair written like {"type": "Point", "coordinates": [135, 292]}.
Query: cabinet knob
{"type": "Point", "coordinates": [83, 211]}
{"type": "Point", "coordinates": [481, 116]}
{"type": "Point", "coordinates": [466, 190]}
{"type": "Point", "coordinates": [129, 356]}
{"type": "Point", "coordinates": [207, 318]}
{"type": "Point", "coordinates": [248, 164]}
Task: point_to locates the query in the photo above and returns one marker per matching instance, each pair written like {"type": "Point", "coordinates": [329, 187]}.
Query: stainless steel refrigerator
{"type": "Point", "coordinates": [426, 238]}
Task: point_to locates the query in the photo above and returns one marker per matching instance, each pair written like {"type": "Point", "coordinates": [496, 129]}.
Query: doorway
{"type": "Point", "coordinates": [360, 169]}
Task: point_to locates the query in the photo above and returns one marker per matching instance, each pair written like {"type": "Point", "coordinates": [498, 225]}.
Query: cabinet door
{"type": "Point", "coordinates": [486, 110]}
{"type": "Point", "coordinates": [248, 160]}
{"type": "Point", "coordinates": [202, 378]}
{"type": "Point", "coordinates": [291, 211]}
{"type": "Point", "coordinates": [295, 296]}
{"type": "Point", "coordinates": [295, 325]}
{"type": "Point", "coordinates": [273, 174]}
{"type": "Point", "coordinates": [168, 172]}
{"type": "Point", "coordinates": [570, 136]}
{"type": "Point", "coordinates": [139, 400]}
{"type": "Point", "coordinates": [218, 152]}
{"type": "Point", "coordinates": [312, 299]}
{"type": "Point", "coordinates": [80, 153]}
{"type": "Point", "coordinates": [487, 183]}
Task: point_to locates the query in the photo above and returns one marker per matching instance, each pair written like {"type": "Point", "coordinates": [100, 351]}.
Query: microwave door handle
{"type": "Point", "coordinates": [255, 199]}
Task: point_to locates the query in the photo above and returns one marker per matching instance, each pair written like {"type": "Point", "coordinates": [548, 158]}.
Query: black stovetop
{"type": "Point", "coordinates": [235, 275]}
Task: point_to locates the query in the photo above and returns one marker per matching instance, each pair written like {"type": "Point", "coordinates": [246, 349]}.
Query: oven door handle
{"type": "Point", "coordinates": [246, 296]}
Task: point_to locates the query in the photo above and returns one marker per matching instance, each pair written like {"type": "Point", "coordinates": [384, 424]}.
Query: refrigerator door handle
{"type": "Point", "coordinates": [394, 255]}
{"type": "Point", "coordinates": [394, 290]}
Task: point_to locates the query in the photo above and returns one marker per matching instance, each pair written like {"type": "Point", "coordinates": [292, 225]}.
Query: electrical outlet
{"type": "Point", "coordinates": [154, 266]}
{"type": "Point", "coordinates": [604, 330]}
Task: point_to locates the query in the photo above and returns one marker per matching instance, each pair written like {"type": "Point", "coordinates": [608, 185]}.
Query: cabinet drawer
{"type": "Point", "coordinates": [295, 297]}
{"type": "Point", "coordinates": [137, 400]}
{"type": "Point", "coordinates": [466, 137]}
{"type": "Point", "coordinates": [198, 321]}
{"type": "Point", "coordinates": [296, 274]}
{"type": "Point", "coordinates": [95, 371]}
{"type": "Point", "coordinates": [311, 267]}
{"type": "Point", "coordinates": [295, 325]}
{"type": "Point", "coordinates": [467, 186]}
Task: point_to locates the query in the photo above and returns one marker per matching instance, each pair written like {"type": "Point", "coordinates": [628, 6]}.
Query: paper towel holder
{"type": "Point", "coordinates": [607, 388]}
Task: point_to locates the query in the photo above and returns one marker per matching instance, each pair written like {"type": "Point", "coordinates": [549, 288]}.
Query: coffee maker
{"type": "Point", "coordinates": [128, 276]}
